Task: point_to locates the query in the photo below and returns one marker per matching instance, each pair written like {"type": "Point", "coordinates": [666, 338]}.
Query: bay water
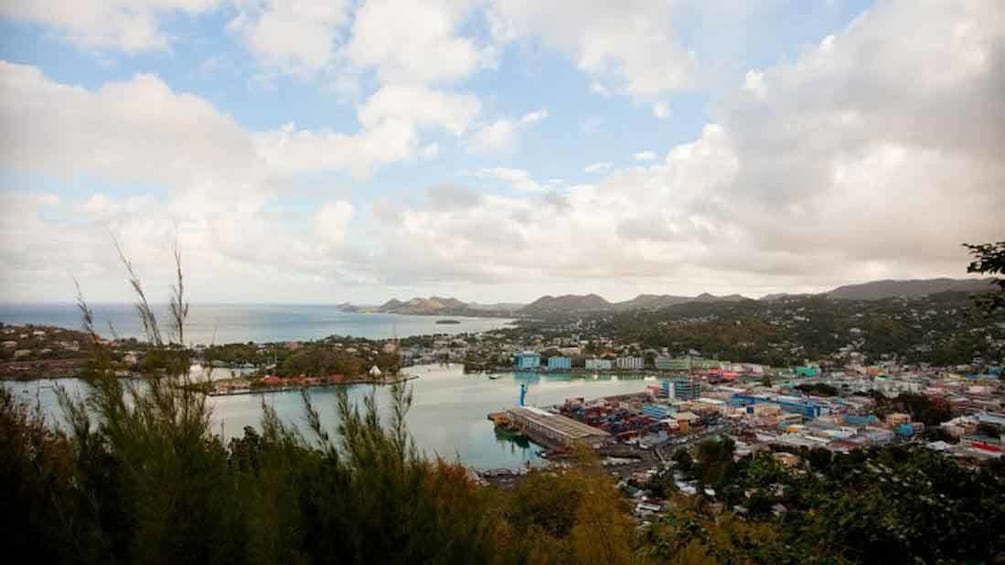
{"type": "Point", "coordinates": [449, 412]}
{"type": "Point", "coordinates": [448, 417]}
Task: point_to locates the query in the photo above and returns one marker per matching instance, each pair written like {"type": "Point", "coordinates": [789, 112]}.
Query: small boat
{"type": "Point", "coordinates": [494, 377]}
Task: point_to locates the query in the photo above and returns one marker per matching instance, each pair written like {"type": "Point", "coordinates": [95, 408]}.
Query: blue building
{"type": "Point", "coordinates": [656, 411]}
{"type": "Point", "coordinates": [857, 420]}
{"type": "Point", "coordinates": [559, 363]}
{"type": "Point", "coordinates": [527, 360]}
{"type": "Point", "coordinates": [809, 409]}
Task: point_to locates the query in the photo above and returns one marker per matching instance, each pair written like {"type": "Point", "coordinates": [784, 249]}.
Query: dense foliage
{"type": "Point", "coordinates": [320, 361]}
{"type": "Point", "coordinates": [894, 504]}
{"type": "Point", "coordinates": [920, 407]}
{"type": "Point", "coordinates": [325, 357]}
{"type": "Point", "coordinates": [146, 481]}
{"type": "Point", "coordinates": [989, 259]}
{"type": "Point", "coordinates": [942, 329]}
{"type": "Point", "coordinates": [897, 504]}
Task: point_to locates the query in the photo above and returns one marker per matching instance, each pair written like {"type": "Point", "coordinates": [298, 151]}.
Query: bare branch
{"type": "Point", "coordinates": [179, 308]}
{"type": "Point", "coordinates": [146, 313]}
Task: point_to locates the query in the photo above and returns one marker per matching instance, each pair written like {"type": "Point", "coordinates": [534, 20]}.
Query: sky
{"type": "Point", "coordinates": [498, 150]}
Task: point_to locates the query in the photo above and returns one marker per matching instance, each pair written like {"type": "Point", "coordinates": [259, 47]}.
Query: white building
{"type": "Point", "coordinates": [598, 364]}
{"type": "Point", "coordinates": [631, 362]}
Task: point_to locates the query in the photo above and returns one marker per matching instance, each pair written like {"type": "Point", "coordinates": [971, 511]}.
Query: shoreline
{"type": "Point", "coordinates": [287, 388]}
{"type": "Point", "coordinates": [65, 317]}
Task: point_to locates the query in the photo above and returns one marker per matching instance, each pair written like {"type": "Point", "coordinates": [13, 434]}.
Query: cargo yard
{"type": "Point", "coordinates": [636, 434]}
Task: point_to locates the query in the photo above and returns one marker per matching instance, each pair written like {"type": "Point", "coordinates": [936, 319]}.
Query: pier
{"type": "Point", "coordinates": [551, 429]}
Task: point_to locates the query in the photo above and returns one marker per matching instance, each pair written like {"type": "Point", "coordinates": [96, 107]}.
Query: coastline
{"type": "Point", "coordinates": [216, 324]}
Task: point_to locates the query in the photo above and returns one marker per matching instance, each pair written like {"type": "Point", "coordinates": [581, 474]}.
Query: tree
{"type": "Point", "coordinates": [684, 463]}
{"type": "Point", "coordinates": [989, 259]}
{"type": "Point", "coordinates": [662, 484]}
{"type": "Point", "coordinates": [714, 461]}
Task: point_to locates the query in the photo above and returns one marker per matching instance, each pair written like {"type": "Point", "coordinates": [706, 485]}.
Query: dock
{"type": "Point", "coordinates": [555, 430]}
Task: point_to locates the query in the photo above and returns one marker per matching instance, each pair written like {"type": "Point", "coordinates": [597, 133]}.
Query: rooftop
{"type": "Point", "coordinates": [556, 423]}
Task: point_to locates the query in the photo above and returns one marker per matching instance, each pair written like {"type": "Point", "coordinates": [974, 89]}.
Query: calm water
{"type": "Point", "coordinates": [448, 415]}
{"type": "Point", "coordinates": [230, 323]}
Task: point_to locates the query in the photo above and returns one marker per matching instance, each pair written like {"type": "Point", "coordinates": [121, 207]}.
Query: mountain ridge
{"type": "Point", "coordinates": [564, 304]}
{"type": "Point", "coordinates": [907, 288]}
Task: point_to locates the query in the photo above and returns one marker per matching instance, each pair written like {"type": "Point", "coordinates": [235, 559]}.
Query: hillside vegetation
{"type": "Point", "coordinates": [942, 329]}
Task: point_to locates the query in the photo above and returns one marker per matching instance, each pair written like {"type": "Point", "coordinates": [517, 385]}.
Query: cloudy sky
{"type": "Point", "coordinates": [496, 150]}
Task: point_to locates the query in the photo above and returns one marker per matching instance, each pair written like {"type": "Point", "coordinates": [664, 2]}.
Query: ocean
{"type": "Point", "coordinates": [232, 323]}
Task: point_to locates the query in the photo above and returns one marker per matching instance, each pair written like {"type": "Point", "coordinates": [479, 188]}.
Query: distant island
{"type": "Point", "coordinates": [448, 321]}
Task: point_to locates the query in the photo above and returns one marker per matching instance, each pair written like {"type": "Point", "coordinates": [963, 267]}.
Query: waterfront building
{"type": "Point", "coordinates": [673, 363]}
{"type": "Point", "coordinates": [664, 363]}
{"type": "Point", "coordinates": [559, 363]}
{"type": "Point", "coordinates": [554, 429]}
{"type": "Point", "coordinates": [682, 389]}
{"type": "Point", "coordinates": [598, 364]}
{"type": "Point", "coordinates": [631, 362]}
{"type": "Point", "coordinates": [527, 360]}
{"type": "Point", "coordinates": [706, 364]}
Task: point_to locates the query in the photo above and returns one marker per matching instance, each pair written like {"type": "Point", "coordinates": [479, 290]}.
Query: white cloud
{"type": "Point", "coordinates": [211, 190]}
{"type": "Point", "coordinates": [331, 220]}
{"type": "Point", "coordinates": [857, 161]}
{"type": "Point", "coordinates": [661, 110]}
{"type": "Point", "coordinates": [421, 106]}
{"type": "Point", "coordinates": [533, 117]}
{"type": "Point", "coordinates": [430, 151]}
{"type": "Point", "coordinates": [413, 40]}
{"type": "Point", "coordinates": [600, 167]}
{"type": "Point", "coordinates": [494, 136]}
{"type": "Point", "coordinates": [128, 25]}
{"type": "Point", "coordinates": [296, 36]}
{"type": "Point", "coordinates": [391, 120]}
{"type": "Point", "coordinates": [141, 130]}
{"type": "Point", "coordinates": [502, 134]}
{"type": "Point", "coordinates": [291, 150]}
{"type": "Point", "coordinates": [518, 179]}
{"type": "Point", "coordinates": [131, 130]}
{"type": "Point", "coordinates": [868, 156]}
{"type": "Point", "coordinates": [644, 156]}
{"type": "Point", "coordinates": [753, 82]}
{"type": "Point", "coordinates": [628, 46]}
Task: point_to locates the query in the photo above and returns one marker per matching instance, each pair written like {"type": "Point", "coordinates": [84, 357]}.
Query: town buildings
{"type": "Point", "coordinates": [559, 363]}
{"type": "Point", "coordinates": [598, 364]}
{"type": "Point", "coordinates": [636, 363]}
{"type": "Point", "coordinates": [683, 389]}
{"type": "Point", "coordinates": [526, 360]}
